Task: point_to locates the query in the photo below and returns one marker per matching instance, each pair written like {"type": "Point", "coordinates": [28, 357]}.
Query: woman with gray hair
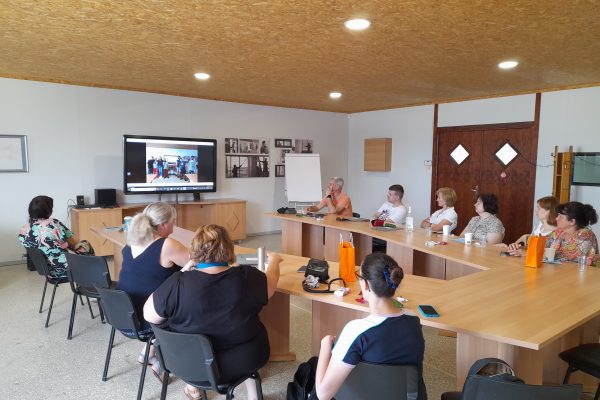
{"type": "Point", "coordinates": [149, 258]}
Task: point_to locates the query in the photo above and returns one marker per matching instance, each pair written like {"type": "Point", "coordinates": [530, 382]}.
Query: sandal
{"type": "Point", "coordinates": [158, 371]}
{"type": "Point", "coordinates": [151, 359]}
{"type": "Point", "coordinates": [192, 395]}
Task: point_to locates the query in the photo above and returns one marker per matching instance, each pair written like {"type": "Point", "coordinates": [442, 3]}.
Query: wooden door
{"type": "Point", "coordinates": [483, 171]}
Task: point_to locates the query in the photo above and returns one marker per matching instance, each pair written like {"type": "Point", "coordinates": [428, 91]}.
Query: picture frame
{"type": "Point", "coordinates": [279, 170]}
{"type": "Point", "coordinates": [279, 143]}
{"type": "Point", "coordinates": [13, 153]}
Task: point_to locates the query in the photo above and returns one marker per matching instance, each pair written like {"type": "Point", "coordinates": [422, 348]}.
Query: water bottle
{"type": "Point", "coordinates": [261, 258]}
{"type": "Point", "coordinates": [409, 220]}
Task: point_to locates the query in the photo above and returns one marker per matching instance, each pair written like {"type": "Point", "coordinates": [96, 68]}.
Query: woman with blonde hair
{"type": "Point", "coordinates": [446, 198]}
{"type": "Point", "coordinates": [149, 258]}
{"type": "Point", "coordinates": [220, 301]}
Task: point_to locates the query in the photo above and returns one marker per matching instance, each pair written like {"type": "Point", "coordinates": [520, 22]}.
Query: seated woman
{"type": "Point", "coordinates": [149, 258]}
{"type": "Point", "coordinates": [386, 336]}
{"type": "Point", "coordinates": [486, 225]}
{"type": "Point", "coordinates": [546, 214]}
{"type": "Point", "coordinates": [51, 236]}
{"type": "Point", "coordinates": [201, 300]}
{"type": "Point", "coordinates": [573, 237]}
{"type": "Point", "coordinates": [446, 198]}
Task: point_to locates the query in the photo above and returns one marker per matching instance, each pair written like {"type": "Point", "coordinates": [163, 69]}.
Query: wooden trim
{"type": "Point", "coordinates": [535, 130]}
{"type": "Point", "coordinates": [434, 161]}
{"type": "Point", "coordinates": [488, 127]}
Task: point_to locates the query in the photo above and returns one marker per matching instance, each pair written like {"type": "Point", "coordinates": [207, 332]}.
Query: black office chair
{"type": "Point", "coordinates": [85, 274]}
{"type": "Point", "coordinates": [356, 215]}
{"type": "Point", "coordinates": [585, 358]}
{"type": "Point", "coordinates": [38, 258]}
{"type": "Point", "coordinates": [191, 358]}
{"type": "Point", "coordinates": [374, 381]}
{"type": "Point", "coordinates": [121, 315]}
{"type": "Point", "coordinates": [479, 387]}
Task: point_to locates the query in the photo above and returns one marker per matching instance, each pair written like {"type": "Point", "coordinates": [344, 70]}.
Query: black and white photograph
{"type": "Point", "coordinates": [249, 146]}
{"type": "Point", "coordinates": [242, 166]}
{"type": "Point", "coordinates": [283, 143]}
{"type": "Point", "coordinates": [280, 170]}
{"type": "Point", "coordinates": [231, 146]}
{"type": "Point", "coordinates": [282, 153]}
{"type": "Point", "coordinates": [303, 146]}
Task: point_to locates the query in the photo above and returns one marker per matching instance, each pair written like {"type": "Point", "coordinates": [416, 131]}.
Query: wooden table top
{"type": "Point", "coordinates": [504, 302]}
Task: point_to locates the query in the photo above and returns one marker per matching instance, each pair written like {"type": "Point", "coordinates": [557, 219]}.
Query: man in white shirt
{"type": "Point", "coordinates": [393, 210]}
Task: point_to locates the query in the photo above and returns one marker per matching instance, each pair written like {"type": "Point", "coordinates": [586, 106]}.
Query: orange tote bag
{"type": "Point", "coordinates": [535, 252]}
{"type": "Point", "coordinates": [347, 260]}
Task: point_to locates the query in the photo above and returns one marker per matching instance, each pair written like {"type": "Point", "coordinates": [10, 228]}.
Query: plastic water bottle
{"type": "Point", "coordinates": [261, 258]}
{"type": "Point", "coordinates": [409, 220]}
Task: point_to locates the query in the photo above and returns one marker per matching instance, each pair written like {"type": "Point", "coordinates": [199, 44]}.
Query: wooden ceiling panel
{"type": "Point", "coordinates": [292, 53]}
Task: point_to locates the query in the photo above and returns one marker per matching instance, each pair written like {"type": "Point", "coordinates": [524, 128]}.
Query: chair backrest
{"type": "Point", "coordinates": [188, 356]}
{"type": "Point", "coordinates": [88, 271]}
{"type": "Point", "coordinates": [119, 309]}
{"type": "Point", "coordinates": [479, 387]}
{"type": "Point", "coordinates": [39, 261]}
{"type": "Point", "coordinates": [376, 381]}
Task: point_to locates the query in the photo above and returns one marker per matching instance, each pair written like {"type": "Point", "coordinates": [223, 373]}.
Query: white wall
{"type": "Point", "coordinates": [411, 130]}
{"type": "Point", "coordinates": [75, 145]}
{"type": "Point", "coordinates": [487, 111]}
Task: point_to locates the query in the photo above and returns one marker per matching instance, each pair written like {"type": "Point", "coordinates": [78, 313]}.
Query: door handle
{"type": "Point", "coordinates": [476, 190]}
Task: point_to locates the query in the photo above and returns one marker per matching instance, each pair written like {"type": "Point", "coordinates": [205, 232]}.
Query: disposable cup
{"type": "Point", "coordinates": [446, 230]}
{"type": "Point", "coordinates": [468, 238]}
{"type": "Point", "coordinates": [549, 254]}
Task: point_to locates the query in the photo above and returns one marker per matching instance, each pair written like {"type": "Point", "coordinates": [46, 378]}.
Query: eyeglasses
{"type": "Point", "coordinates": [358, 275]}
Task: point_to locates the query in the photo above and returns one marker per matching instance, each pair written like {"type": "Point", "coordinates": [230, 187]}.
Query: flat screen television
{"type": "Point", "coordinates": [586, 169]}
{"type": "Point", "coordinates": [156, 164]}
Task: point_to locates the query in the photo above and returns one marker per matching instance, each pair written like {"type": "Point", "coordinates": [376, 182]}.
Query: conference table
{"type": "Point", "coordinates": [496, 306]}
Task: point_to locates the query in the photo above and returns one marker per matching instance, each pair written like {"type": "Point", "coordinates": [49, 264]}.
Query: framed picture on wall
{"type": "Point", "coordinates": [280, 170]}
{"type": "Point", "coordinates": [13, 153]}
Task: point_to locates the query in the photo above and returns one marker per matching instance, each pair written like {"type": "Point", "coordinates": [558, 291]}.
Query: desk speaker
{"type": "Point", "coordinates": [106, 197]}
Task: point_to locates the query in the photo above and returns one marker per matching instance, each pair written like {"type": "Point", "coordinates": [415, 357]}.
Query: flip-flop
{"type": "Point", "coordinates": [189, 395]}
{"type": "Point", "coordinates": [151, 359]}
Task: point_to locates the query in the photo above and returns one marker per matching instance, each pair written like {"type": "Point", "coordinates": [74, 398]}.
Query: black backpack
{"type": "Point", "coordinates": [491, 368]}
{"type": "Point", "coordinates": [304, 380]}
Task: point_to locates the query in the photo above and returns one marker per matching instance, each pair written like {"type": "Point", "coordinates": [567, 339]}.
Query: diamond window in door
{"type": "Point", "coordinates": [506, 154]}
{"type": "Point", "coordinates": [459, 154]}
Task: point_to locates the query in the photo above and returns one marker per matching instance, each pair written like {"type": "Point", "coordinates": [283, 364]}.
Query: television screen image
{"type": "Point", "coordinates": [168, 165]}
{"type": "Point", "coordinates": [586, 169]}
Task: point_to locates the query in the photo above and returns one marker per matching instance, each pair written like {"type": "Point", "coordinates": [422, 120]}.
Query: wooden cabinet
{"type": "Point", "coordinates": [563, 168]}
{"type": "Point", "coordinates": [378, 155]}
{"type": "Point", "coordinates": [229, 213]}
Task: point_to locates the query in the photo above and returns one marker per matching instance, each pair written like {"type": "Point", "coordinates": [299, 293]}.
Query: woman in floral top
{"type": "Point", "coordinates": [574, 238]}
{"type": "Point", "coordinates": [50, 236]}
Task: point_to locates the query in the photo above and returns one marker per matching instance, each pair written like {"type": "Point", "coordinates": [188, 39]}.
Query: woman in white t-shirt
{"type": "Point", "coordinates": [546, 214]}
{"type": "Point", "coordinates": [446, 198]}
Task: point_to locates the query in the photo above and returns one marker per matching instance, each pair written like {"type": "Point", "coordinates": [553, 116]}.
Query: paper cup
{"type": "Point", "coordinates": [468, 238]}
{"type": "Point", "coordinates": [549, 254]}
{"type": "Point", "coordinates": [446, 230]}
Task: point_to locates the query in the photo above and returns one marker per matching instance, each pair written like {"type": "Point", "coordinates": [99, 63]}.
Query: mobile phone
{"type": "Point", "coordinates": [504, 253]}
{"type": "Point", "coordinates": [428, 311]}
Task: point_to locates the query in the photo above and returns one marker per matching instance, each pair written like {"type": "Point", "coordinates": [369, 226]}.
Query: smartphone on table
{"type": "Point", "coordinates": [428, 311]}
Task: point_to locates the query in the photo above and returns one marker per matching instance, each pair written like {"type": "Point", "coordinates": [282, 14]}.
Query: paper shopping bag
{"type": "Point", "coordinates": [347, 261]}
{"type": "Point", "coordinates": [535, 251]}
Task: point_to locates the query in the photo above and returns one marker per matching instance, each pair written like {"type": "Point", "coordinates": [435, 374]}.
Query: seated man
{"type": "Point", "coordinates": [335, 200]}
{"type": "Point", "coordinates": [393, 210]}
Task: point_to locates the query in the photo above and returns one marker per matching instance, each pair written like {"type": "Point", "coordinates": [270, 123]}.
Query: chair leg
{"type": "Point", "coordinates": [51, 302]}
{"type": "Point", "coordinates": [43, 296]}
{"type": "Point", "coordinates": [258, 381]}
{"type": "Point", "coordinates": [81, 300]}
{"type": "Point", "coordinates": [101, 312]}
{"type": "Point", "coordinates": [70, 334]}
{"type": "Point", "coordinates": [144, 367]}
{"type": "Point", "coordinates": [108, 353]}
{"type": "Point", "coordinates": [597, 396]}
{"type": "Point", "coordinates": [163, 392]}
{"type": "Point", "coordinates": [568, 375]}
{"type": "Point", "coordinates": [89, 306]}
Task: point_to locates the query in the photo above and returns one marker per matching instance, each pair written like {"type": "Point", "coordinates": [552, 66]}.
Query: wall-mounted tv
{"type": "Point", "coordinates": [586, 169]}
{"type": "Point", "coordinates": [157, 164]}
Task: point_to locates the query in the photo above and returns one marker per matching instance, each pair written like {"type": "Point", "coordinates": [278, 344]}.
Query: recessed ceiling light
{"type": "Point", "coordinates": [201, 76]}
{"type": "Point", "coordinates": [357, 24]}
{"type": "Point", "coordinates": [335, 95]}
{"type": "Point", "coordinates": [508, 64]}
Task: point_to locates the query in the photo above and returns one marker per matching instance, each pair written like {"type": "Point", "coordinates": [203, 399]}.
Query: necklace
{"type": "Point", "coordinates": [214, 264]}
